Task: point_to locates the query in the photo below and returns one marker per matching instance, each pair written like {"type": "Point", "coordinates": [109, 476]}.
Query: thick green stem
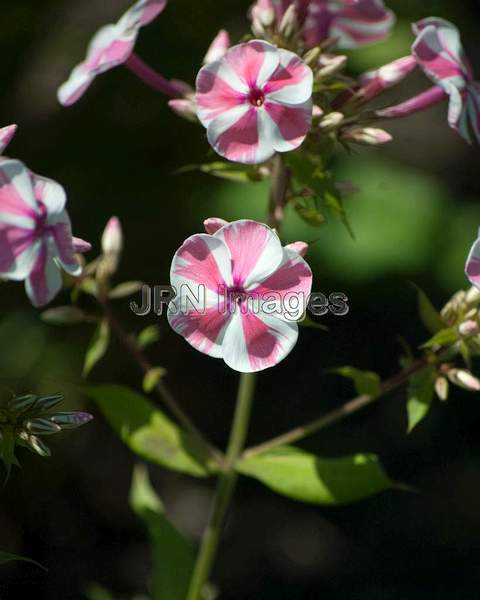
{"type": "Point", "coordinates": [225, 487]}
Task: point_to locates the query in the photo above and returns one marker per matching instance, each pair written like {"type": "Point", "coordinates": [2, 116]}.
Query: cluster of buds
{"type": "Point", "coordinates": [26, 419]}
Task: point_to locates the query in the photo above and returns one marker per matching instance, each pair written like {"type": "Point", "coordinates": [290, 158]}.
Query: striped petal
{"type": "Point", "coordinates": [284, 126]}
{"type": "Point", "coordinates": [288, 289]}
{"type": "Point", "coordinates": [52, 195]}
{"type": "Point", "coordinates": [6, 135]}
{"type": "Point", "coordinates": [255, 251]}
{"type": "Point", "coordinates": [142, 13]}
{"type": "Point", "coordinates": [44, 281]}
{"type": "Point", "coordinates": [472, 266]}
{"type": "Point", "coordinates": [218, 48]}
{"type": "Point", "coordinates": [253, 342]}
{"type": "Point", "coordinates": [254, 62]}
{"type": "Point", "coordinates": [292, 81]}
{"type": "Point", "coordinates": [16, 190]}
{"type": "Point", "coordinates": [352, 23]}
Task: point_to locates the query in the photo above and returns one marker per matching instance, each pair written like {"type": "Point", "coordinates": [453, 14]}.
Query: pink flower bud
{"type": "Point", "coordinates": [464, 379]}
{"type": "Point", "coordinates": [370, 136]}
{"type": "Point", "coordinates": [184, 108]}
{"type": "Point", "coordinates": [374, 82]}
{"type": "Point", "coordinates": [262, 14]}
{"type": "Point", "coordinates": [331, 121]}
{"type": "Point", "coordinates": [218, 47]}
{"type": "Point", "coordinates": [213, 224]}
{"type": "Point", "coordinates": [300, 248]}
{"type": "Point", "coordinates": [81, 246]}
{"type": "Point", "coordinates": [112, 238]}
{"type": "Point", "coordinates": [6, 135]}
{"type": "Point", "coordinates": [289, 22]}
{"type": "Point", "coordinates": [469, 327]}
{"type": "Point", "coordinates": [330, 64]}
{"type": "Point", "coordinates": [317, 112]}
{"type": "Point", "coordinates": [433, 96]}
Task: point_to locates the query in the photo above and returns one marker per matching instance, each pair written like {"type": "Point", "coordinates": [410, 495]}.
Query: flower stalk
{"type": "Point", "coordinates": [151, 78]}
{"type": "Point", "coordinates": [225, 487]}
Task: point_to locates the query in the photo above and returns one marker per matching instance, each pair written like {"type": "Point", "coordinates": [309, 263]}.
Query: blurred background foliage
{"type": "Point", "coordinates": [414, 218]}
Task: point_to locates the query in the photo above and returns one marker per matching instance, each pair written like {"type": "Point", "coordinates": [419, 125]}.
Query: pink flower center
{"type": "Point", "coordinates": [256, 97]}
{"type": "Point", "coordinates": [237, 295]}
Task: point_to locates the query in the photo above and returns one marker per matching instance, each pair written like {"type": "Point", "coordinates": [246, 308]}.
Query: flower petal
{"type": "Point", "coordinates": [255, 251]}
{"type": "Point", "coordinates": [53, 197]}
{"type": "Point", "coordinates": [65, 252]}
{"type": "Point", "coordinates": [292, 82]}
{"type": "Point", "coordinates": [285, 126]}
{"type": "Point", "coordinates": [255, 342]}
{"type": "Point", "coordinates": [142, 13]}
{"type": "Point", "coordinates": [253, 62]}
{"type": "Point", "coordinates": [472, 267]}
{"type": "Point", "coordinates": [218, 47]}
{"type": "Point", "coordinates": [45, 281]}
{"type": "Point", "coordinates": [16, 191]}
{"type": "Point", "coordinates": [6, 135]}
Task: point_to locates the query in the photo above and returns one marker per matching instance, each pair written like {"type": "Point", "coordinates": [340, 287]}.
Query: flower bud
{"type": "Point", "coordinates": [331, 121]}
{"type": "Point", "coordinates": [317, 112]}
{"type": "Point", "coordinates": [70, 420]}
{"type": "Point", "coordinates": [469, 327]}
{"type": "Point", "coordinates": [464, 379]}
{"type": "Point", "coordinates": [312, 56]}
{"type": "Point", "coordinates": [23, 403]}
{"type": "Point", "coordinates": [369, 136]}
{"type": "Point", "coordinates": [441, 388]}
{"type": "Point", "coordinates": [213, 224]}
{"type": "Point", "coordinates": [374, 82]}
{"type": "Point", "coordinates": [112, 238]}
{"type": "Point", "coordinates": [289, 22]}
{"type": "Point", "coordinates": [81, 246]}
{"type": "Point", "coordinates": [185, 108]}
{"type": "Point", "coordinates": [42, 427]}
{"type": "Point", "coordinates": [218, 47]}
{"type": "Point", "coordinates": [6, 135]}
{"type": "Point", "coordinates": [472, 297]}
{"type": "Point", "coordinates": [330, 64]}
{"type": "Point", "coordinates": [300, 248]}
{"type": "Point", "coordinates": [262, 14]}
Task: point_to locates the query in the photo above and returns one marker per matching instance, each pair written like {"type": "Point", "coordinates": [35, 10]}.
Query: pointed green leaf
{"type": "Point", "coordinates": [428, 313]}
{"type": "Point", "coordinates": [309, 322]}
{"type": "Point", "coordinates": [149, 335]}
{"type": "Point", "coordinates": [366, 382]}
{"type": "Point", "coordinates": [445, 337]}
{"type": "Point", "coordinates": [152, 378]}
{"type": "Point", "coordinates": [63, 315]}
{"type": "Point", "coordinates": [173, 556]}
{"type": "Point", "coordinates": [148, 431]}
{"type": "Point", "coordinates": [97, 347]}
{"type": "Point", "coordinates": [308, 478]}
{"type": "Point", "coordinates": [420, 395]}
{"type": "Point", "coordinates": [122, 290]}
{"type": "Point", "coordinates": [6, 557]}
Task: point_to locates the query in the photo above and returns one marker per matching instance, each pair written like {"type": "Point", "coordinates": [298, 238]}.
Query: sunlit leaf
{"type": "Point", "coordinates": [97, 347]}
{"type": "Point", "coordinates": [148, 431]}
{"type": "Point", "coordinates": [420, 395]}
{"type": "Point", "coordinates": [228, 170]}
{"type": "Point", "coordinates": [308, 478]}
{"type": "Point", "coordinates": [445, 337]}
{"type": "Point", "coordinates": [173, 556]}
{"type": "Point", "coordinates": [366, 382]}
{"type": "Point", "coordinates": [149, 335]}
{"type": "Point", "coordinates": [152, 378]}
{"type": "Point", "coordinates": [428, 313]}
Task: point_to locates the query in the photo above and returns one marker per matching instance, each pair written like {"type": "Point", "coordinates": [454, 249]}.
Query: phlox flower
{"type": "Point", "coordinates": [254, 292]}
{"type": "Point", "coordinates": [472, 266]}
{"type": "Point", "coordinates": [35, 232]}
{"type": "Point", "coordinates": [255, 101]}
{"type": "Point", "coordinates": [439, 53]}
{"type": "Point", "coordinates": [111, 46]}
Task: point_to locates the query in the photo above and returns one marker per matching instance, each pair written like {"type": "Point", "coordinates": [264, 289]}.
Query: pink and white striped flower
{"type": "Point", "coordinates": [472, 266]}
{"type": "Point", "coordinates": [255, 101]}
{"type": "Point", "coordinates": [35, 232]}
{"type": "Point", "coordinates": [376, 81]}
{"type": "Point", "coordinates": [352, 23]}
{"type": "Point", "coordinates": [111, 46]}
{"type": "Point", "coordinates": [439, 53]}
{"type": "Point", "coordinates": [6, 135]}
{"type": "Point", "coordinates": [246, 282]}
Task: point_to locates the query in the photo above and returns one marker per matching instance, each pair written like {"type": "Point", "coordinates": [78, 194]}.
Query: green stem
{"type": "Point", "coordinates": [225, 487]}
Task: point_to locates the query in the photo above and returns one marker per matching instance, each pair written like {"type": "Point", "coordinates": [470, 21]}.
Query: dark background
{"type": "Point", "coordinates": [415, 217]}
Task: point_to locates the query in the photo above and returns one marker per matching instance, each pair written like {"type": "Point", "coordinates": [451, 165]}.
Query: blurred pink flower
{"type": "Point", "coordinates": [6, 135]}
{"type": "Point", "coordinates": [352, 23]}
{"type": "Point", "coordinates": [111, 46]}
{"type": "Point", "coordinates": [248, 278]}
{"type": "Point", "coordinates": [472, 267]}
{"type": "Point", "coordinates": [35, 232]}
{"type": "Point", "coordinates": [218, 48]}
{"type": "Point", "coordinates": [439, 53]}
{"type": "Point", "coordinates": [255, 101]}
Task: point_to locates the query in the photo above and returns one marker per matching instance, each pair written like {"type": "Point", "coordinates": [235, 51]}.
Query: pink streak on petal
{"type": "Point", "coordinates": [38, 279]}
{"type": "Point", "coordinates": [201, 266]}
{"type": "Point", "coordinates": [215, 95]}
{"type": "Point", "coordinates": [11, 201]}
{"type": "Point", "coordinates": [473, 270]}
{"type": "Point", "coordinates": [246, 241]}
{"type": "Point", "coordinates": [6, 135]}
{"type": "Point", "coordinates": [294, 73]}
{"type": "Point", "coordinates": [201, 330]}
{"type": "Point", "coordinates": [435, 63]}
{"type": "Point", "coordinates": [293, 276]}
{"type": "Point", "coordinates": [263, 346]}
{"type": "Point", "coordinates": [13, 241]}
{"type": "Point", "coordinates": [152, 9]}
{"type": "Point", "coordinates": [247, 60]}
{"type": "Point", "coordinates": [240, 142]}
{"type": "Point", "coordinates": [293, 123]}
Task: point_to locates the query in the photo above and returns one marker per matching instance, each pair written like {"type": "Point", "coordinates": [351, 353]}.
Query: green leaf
{"type": "Point", "coordinates": [308, 478]}
{"type": "Point", "coordinates": [428, 313]}
{"type": "Point", "coordinates": [125, 289]}
{"type": "Point", "coordinates": [97, 347]}
{"type": "Point", "coordinates": [445, 337]}
{"type": "Point", "coordinates": [366, 382]}
{"type": "Point", "coordinates": [148, 431]}
{"type": "Point", "coordinates": [173, 556]}
{"type": "Point", "coordinates": [310, 214]}
{"type": "Point", "coordinates": [227, 170]}
{"type": "Point", "coordinates": [152, 378]}
{"type": "Point", "coordinates": [63, 315]}
{"type": "Point", "coordinates": [6, 557]}
{"type": "Point", "coordinates": [7, 450]}
{"type": "Point", "coordinates": [149, 335]}
{"type": "Point", "coordinates": [420, 395]}
{"type": "Point", "coordinates": [310, 323]}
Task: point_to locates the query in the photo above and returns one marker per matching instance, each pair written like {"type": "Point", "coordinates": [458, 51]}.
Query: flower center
{"type": "Point", "coordinates": [237, 295]}
{"type": "Point", "coordinates": [256, 97]}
